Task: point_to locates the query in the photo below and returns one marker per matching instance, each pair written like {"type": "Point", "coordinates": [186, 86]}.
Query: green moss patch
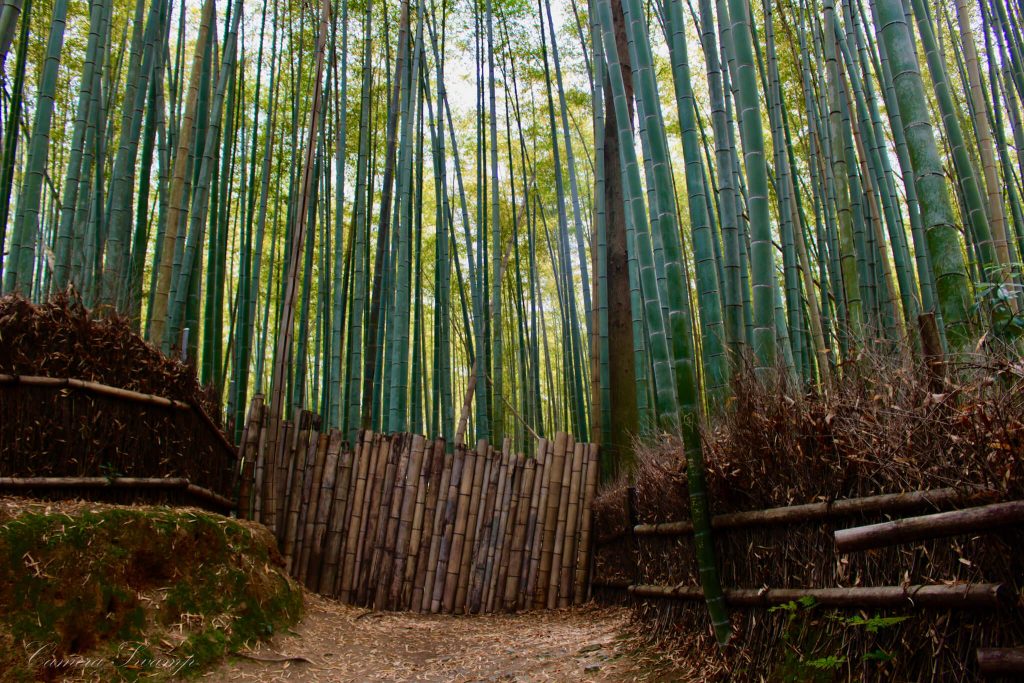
{"type": "Point", "coordinates": [123, 593]}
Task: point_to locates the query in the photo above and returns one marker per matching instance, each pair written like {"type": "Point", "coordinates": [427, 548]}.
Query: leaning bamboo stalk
{"type": "Point", "coordinates": [408, 530]}
{"type": "Point", "coordinates": [978, 595]}
{"type": "Point", "coordinates": [538, 520]}
{"type": "Point", "coordinates": [318, 541]}
{"type": "Point", "coordinates": [295, 473]}
{"type": "Point", "coordinates": [461, 469]}
{"type": "Point", "coordinates": [1001, 661]}
{"type": "Point", "coordinates": [554, 579]}
{"type": "Point", "coordinates": [888, 503]}
{"type": "Point", "coordinates": [419, 540]}
{"type": "Point", "coordinates": [96, 388]}
{"type": "Point", "coordinates": [566, 582]}
{"type": "Point", "coordinates": [479, 482]}
{"type": "Point", "coordinates": [363, 458]}
{"type": "Point", "coordinates": [510, 504]}
{"type": "Point", "coordinates": [334, 550]}
{"type": "Point", "coordinates": [586, 522]}
{"type": "Point", "coordinates": [515, 562]}
{"type": "Point", "coordinates": [478, 566]}
{"type": "Point", "coordinates": [429, 537]}
{"type": "Point", "coordinates": [554, 490]}
{"type": "Point", "coordinates": [311, 503]}
{"type": "Point", "coordinates": [454, 557]}
{"type": "Point", "coordinates": [926, 527]}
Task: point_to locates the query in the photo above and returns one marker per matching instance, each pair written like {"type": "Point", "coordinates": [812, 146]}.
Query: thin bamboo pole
{"type": "Point", "coordinates": [515, 563]}
{"type": "Point", "coordinates": [479, 478]}
{"type": "Point", "coordinates": [566, 582]}
{"type": "Point", "coordinates": [586, 522]}
{"type": "Point", "coordinates": [462, 468]}
{"type": "Point", "coordinates": [361, 466]}
{"type": "Point", "coordinates": [334, 552]}
{"type": "Point", "coordinates": [423, 578]}
{"type": "Point", "coordinates": [561, 494]}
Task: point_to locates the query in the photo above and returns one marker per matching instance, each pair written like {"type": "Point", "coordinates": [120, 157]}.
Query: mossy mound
{"type": "Point", "coordinates": [119, 593]}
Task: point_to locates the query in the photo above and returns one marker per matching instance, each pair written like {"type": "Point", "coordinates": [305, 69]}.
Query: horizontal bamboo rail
{"type": "Point", "coordinates": [221, 503]}
{"type": "Point", "coordinates": [881, 504]}
{"type": "Point", "coordinates": [930, 526]}
{"type": "Point", "coordinates": [959, 596]}
{"type": "Point", "coordinates": [1001, 661]}
{"type": "Point", "coordinates": [400, 522]}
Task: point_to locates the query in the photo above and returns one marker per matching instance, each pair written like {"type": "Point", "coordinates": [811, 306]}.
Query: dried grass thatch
{"type": "Point", "coordinates": [883, 429]}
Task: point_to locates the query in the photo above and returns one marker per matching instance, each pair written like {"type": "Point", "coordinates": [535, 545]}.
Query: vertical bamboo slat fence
{"type": "Point", "coordinates": [402, 523]}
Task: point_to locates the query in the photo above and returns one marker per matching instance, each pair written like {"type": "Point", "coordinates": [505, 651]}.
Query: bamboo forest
{"type": "Point", "coordinates": [658, 226]}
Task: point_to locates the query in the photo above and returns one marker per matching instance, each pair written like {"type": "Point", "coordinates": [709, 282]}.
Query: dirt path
{"type": "Point", "coordinates": [343, 643]}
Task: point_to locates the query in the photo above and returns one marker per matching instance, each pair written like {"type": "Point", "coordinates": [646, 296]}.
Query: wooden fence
{"type": "Point", "coordinates": [404, 523]}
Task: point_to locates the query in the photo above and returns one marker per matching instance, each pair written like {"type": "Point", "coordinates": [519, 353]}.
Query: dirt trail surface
{"type": "Point", "coordinates": [335, 642]}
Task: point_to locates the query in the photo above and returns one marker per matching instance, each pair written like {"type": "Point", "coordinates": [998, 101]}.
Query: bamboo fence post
{"type": "Point", "coordinates": [371, 516]}
{"type": "Point", "coordinates": [408, 529]}
{"type": "Point", "coordinates": [484, 528]}
{"type": "Point", "coordinates": [499, 567]}
{"type": "Point", "coordinates": [459, 474]}
{"type": "Point", "coordinates": [363, 460]}
{"type": "Point", "coordinates": [554, 494]}
{"type": "Point", "coordinates": [419, 540]}
{"type": "Point", "coordinates": [454, 559]}
{"type": "Point", "coordinates": [429, 538]}
{"type": "Point", "coordinates": [437, 535]}
{"type": "Point", "coordinates": [286, 469]}
{"type": "Point", "coordinates": [316, 545]}
{"type": "Point", "coordinates": [566, 583]}
{"type": "Point", "coordinates": [334, 549]}
{"type": "Point", "coordinates": [259, 482]}
{"type": "Point", "coordinates": [277, 437]}
{"type": "Point", "coordinates": [586, 522]}
{"type": "Point", "coordinates": [515, 562]}
{"type": "Point", "coordinates": [311, 503]}
{"type": "Point", "coordinates": [297, 471]}
{"type": "Point", "coordinates": [476, 495]}
{"type": "Point", "coordinates": [387, 522]}
{"type": "Point", "coordinates": [538, 513]}
{"type": "Point", "coordinates": [554, 579]}
{"type": "Point", "coordinates": [248, 453]}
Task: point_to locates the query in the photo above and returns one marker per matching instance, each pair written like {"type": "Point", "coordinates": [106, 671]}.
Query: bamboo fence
{"type": "Point", "coordinates": [400, 522]}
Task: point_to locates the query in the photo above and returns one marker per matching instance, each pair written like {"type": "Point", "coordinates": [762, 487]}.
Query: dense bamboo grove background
{"type": "Point", "coordinates": [498, 219]}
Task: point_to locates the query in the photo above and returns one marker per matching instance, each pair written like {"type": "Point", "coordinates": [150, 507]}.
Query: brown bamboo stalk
{"type": "Point", "coordinates": [566, 583]}
{"type": "Point", "coordinates": [515, 561]}
{"type": "Point", "coordinates": [259, 490]}
{"type": "Point", "coordinates": [286, 469]}
{"type": "Point", "coordinates": [419, 540]}
{"type": "Point", "coordinates": [315, 547]}
{"type": "Point", "coordinates": [479, 482]}
{"type": "Point", "coordinates": [431, 559]}
{"type": "Point", "coordinates": [361, 466]}
{"type": "Point", "coordinates": [450, 521]}
{"type": "Point", "coordinates": [408, 529]}
{"type": "Point", "coordinates": [554, 492]}
{"type": "Point", "coordinates": [96, 388]}
{"type": "Point", "coordinates": [386, 520]}
{"type": "Point", "coordinates": [371, 517]}
{"type": "Point", "coordinates": [458, 542]}
{"type": "Point", "coordinates": [1001, 661]}
{"type": "Point", "coordinates": [420, 590]}
{"type": "Point", "coordinates": [586, 522]}
{"type": "Point", "coordinates": [538, 515]}
{"type": "Point", "coordinates": [554, 578]}
{"type": "Point", "coordinates": [888, 503]}
{"type": "Point", "coordinates": [963, 596]}
{"type": "Point", "coordinates": [941, 524]}
{"type": "Point", "coordinates": [334, 550]}
{"type": "Point", "coordinates": [478, 567]}
{"type": "Point", "coordinates": [294, 474]}
{"type": "Point", "coordinates": [277, 447]}
{"type": "Point", "coordinates": [497, 563]}
{"type": "Point", "coordinates": [311, 503]}
{"type": "Point", "coordinates": [247, 455]}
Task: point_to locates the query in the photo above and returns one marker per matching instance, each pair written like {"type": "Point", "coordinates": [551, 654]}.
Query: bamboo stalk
{"type": "Point", "coordinates": [387, 522]}
{"type": "Point", "coordinates": [461, 470]}
{"type": "Point", "coordinates": [316, 545]}
{"type": "Point", "coordinates": [566, 582]}
{"type": "Point", "coordinates": [562, 493]}
{"type": "Point", "coordinates": [497, 561]}
{"type": "Point", "coordinates": [259, 478]}
{"type": "Point", "coordinates": [458, 542]}
{"type": "Point", "coordinates": [1001, 661]}
{"type": "Point", "coordinates": [311, 502]}
{"type": "Point", "coordinates": [370, 517]}
{"type": "Point", "coordinates": [484, 528]}
{"type": "Point", "coordinates": [550, 502]}
{"type": "Point", "coordinates": [422, 518]}
{"type": "Point", "coordinates": [886, 503]}
{"type": "Point", "coordinates": [586, 522]}
{"type": "Point", "coordinates": [294, 475]}
{"type": "Point", "coordinates": [515, 562]}
{"type": "Point", "coordinates": [925, 527]}
{"type": "Point", "coordinates": [94, 387]}
{"type": "Point", "coordinates": [423, 579]}
{"type": "Point", "coordinates": [361, 466]}
{"type": "Point", "coordinates": [248, 453]}
{"type": "Point", "coordinates": [334, 551]}
{"type": "Point", "coordinates": [221, 503]}
{"type": "Point", "coordinates": [964, 596]}
{"type": "Point", "coordinates": [408, 530]}
{"type": "Point", "coordinates": [538, 520]}
{"type": "Point", "coordinates": [472, 515]}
